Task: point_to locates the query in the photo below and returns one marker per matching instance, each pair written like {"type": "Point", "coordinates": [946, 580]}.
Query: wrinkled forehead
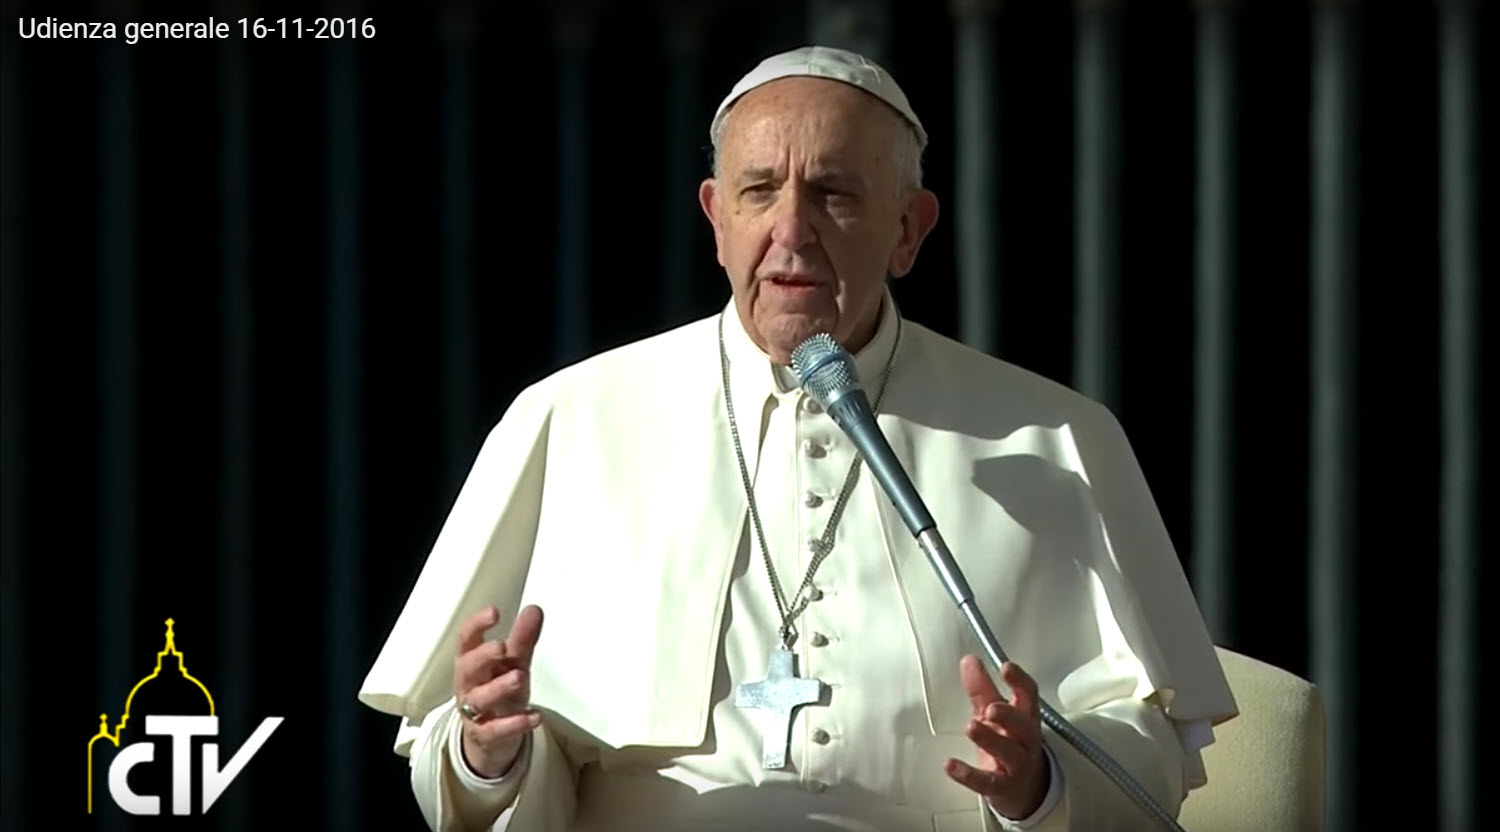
{"type": "Point", "coordinates": [809, 120]}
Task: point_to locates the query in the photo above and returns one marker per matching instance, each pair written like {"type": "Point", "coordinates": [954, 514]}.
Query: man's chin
{"type": "Point", "coordinates": [787, 332]}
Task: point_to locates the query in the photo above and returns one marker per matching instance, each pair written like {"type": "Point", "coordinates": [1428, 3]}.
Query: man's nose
{"type": "Point", "coordinates": [792, 226]}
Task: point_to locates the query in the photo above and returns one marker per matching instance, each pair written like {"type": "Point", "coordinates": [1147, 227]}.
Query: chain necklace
{"type": "Point", "coordinates": [821, 546]}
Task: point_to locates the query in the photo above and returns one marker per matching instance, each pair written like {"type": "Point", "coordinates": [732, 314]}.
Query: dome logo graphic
{"type": "Point", "coordinates": [178, 730]}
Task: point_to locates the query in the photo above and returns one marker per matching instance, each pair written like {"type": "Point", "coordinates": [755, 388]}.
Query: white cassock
{"type": "Point", "coordinates": [610, 495]}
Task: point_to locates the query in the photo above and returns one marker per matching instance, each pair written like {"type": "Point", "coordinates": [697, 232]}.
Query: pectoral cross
{"type": "Point", "coordinates": [776, 697]}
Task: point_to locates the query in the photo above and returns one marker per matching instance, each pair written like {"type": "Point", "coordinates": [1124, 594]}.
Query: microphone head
{"type": "Point", "coordinates": [825, 369]}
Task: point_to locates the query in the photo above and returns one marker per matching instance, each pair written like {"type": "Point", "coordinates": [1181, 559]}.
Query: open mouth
{"type": "Point", "coordinates": [795, 282]}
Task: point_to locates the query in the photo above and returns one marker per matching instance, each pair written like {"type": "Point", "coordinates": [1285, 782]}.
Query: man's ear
{"type": "Point", "coordinates": [708, 200]}
{"type": "Point", "coordinates": [917, 220]}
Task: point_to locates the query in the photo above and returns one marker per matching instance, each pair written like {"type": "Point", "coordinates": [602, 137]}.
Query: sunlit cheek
{"type": "Point", "coordinates": [745, 234]}
{"type": "Point", "coordinates": [756, 238]}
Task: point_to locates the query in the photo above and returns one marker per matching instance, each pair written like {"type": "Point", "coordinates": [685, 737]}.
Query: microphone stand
{"type": "Point", "coordinates": [953, 580]}
{"type": "Point", "coordinates": [827, 373]}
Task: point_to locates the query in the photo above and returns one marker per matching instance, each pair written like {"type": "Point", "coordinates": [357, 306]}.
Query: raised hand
{"type": "Point", "coordinates": [492, 689]}
{"type": "Point", "coordinates": [1012, 773]}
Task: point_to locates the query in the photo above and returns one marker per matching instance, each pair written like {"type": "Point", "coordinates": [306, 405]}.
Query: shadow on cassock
{"type": "Point", "coordinates": [606, 801]}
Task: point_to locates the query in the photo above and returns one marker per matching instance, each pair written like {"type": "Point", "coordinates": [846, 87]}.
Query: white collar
{"type": "Point", "coordinates": [755, 378]}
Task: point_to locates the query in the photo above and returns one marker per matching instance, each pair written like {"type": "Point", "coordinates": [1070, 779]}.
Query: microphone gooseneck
{"type": "Point", "coordinates": [827, 373]}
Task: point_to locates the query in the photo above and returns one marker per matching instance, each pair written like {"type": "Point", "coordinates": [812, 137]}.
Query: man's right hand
{"type": "Point", "coordinates": [494, 679]}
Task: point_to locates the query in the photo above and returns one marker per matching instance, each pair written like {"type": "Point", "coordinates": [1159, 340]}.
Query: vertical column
{"type": "Point", "coordinates": [118, 378]}
{"type": "Point", "coordinates": [1213, 353]}
{"type": "Point", "coordinates": [574, 34]}
{"type": "Point", "coordinates": [862, 26]}
{"type": "Point", "coordinates": [460, 352]}
{"type": "Point", "coordinates": [1096, 201]}
{"type": "Point", "coordinates": [685, 165]}
{"type": "Point", "coordinates": [977, 180]}
{"type": "Point", "coordinates": [235, 650]}
{"type": "Point", "coordinates": [1333, 579]}
{"type": "Point", "coordinates": [14, 707]}
{"type": "Point", "coordinates": [1458, 625]}
{"type": "Point", "coordinates": [343, 799]}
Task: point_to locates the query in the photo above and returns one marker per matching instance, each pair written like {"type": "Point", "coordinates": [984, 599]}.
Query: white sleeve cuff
{"type": "Point", "coordinates": [1055, 790]}
{"type": "Point", "coordinates": [466, 775]}
{"type": "Point", "coordinates": [1194, 736]}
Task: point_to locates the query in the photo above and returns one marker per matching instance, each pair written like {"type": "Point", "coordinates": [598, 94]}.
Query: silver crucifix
{"type": "Point", "coordinates": [776, 697]}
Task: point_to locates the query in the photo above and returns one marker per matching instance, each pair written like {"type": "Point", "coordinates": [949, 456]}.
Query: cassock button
{"type": "Point", "coordinates": [819, 640]}
{"type": "Point", "coordinates": [817, 785]}
{"type": "Point", "coordinates": [815, 594]}
{"type": "Point", "coordinates": [820, 736]}
{"type": "Point", "coordinates": [811, 405]}
{"type": "Point", "coordinates": [812, 449]}
{"type": "Point", "coordinates": [812, 500]}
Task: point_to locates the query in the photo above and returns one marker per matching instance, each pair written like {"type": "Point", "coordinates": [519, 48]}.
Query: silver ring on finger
{"type": "Point", "coordinates": [468, 711]}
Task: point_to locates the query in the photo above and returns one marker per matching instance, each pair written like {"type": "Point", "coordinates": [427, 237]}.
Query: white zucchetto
{"type": "Point", "coordinates": [826, 62]}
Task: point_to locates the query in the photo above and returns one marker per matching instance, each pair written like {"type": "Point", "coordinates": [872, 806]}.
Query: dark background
{"type": "Point", "coordinates": [263, 299]}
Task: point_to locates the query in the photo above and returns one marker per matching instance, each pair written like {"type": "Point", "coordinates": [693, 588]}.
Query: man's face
{"type": "Point", "coordinates": [809, 212]}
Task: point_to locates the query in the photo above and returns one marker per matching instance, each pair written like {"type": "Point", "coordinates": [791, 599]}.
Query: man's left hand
{"type": "Point", "coordinates": [1012, 772]}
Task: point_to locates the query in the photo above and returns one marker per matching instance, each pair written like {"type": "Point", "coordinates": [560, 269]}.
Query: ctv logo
{"type": "Point", "coordinates": [136, 762]}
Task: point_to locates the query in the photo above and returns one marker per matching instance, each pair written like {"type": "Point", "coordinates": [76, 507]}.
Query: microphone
{"type": "Point", "coordinates": [827, 374]}
{"type": "Point", "coordinates": [826, 371]}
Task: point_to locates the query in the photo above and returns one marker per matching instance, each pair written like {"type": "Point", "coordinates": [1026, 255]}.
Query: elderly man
{"type": "Point", "coordinates": [740, 634]}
